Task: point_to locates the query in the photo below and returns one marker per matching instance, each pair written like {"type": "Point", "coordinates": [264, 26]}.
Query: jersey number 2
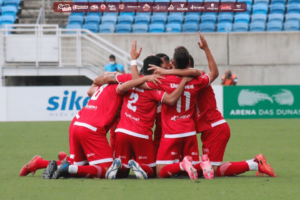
{"type": "Point", "coordinates": [134, 97]}
{"type": "Point", "coordinates": [187, 102]}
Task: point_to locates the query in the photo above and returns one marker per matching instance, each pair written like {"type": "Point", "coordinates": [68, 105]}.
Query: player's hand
{"type": "Point", "coordinates": [134, 53]}
{"type": "Point", "coordinates": [154, 78]}
{"type": "Point", "coordinates": [202, 71]}
{"type": "Point", "coordinates": [157, 70]}
{"type": "Point", "coordinates": [187, 79]}
{"type": "Point", "coordinates": [202, 44]}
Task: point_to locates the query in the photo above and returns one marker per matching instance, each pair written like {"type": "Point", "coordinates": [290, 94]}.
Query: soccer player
{"type": "Point", "coordinates": [179, 132]}
{"type": "Point", "coordinates": [134, 130]}
{"type": "Point", "coordinates": [89, 132]}
{"type": "Point", "coordinates": [216, 132]}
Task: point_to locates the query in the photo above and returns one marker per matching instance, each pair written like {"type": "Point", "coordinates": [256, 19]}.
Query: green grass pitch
{"type": "Point", "coordinates": [277, 139]}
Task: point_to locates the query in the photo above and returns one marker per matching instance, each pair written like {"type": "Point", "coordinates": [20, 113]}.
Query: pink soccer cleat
{"type": "Point", "coordinates": [207, 169]}
{"type": "Point", "coordinates": [188, 167]}
{"type": "Point", "coordinates": [263, 166]}
{"type": "Point", "coordinates": [62, 155]}
{"type": "Point", "coordinates": [30, 167]}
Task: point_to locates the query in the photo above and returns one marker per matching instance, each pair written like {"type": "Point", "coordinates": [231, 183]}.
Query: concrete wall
{"type": "Point", "coordinates": [266, 58]}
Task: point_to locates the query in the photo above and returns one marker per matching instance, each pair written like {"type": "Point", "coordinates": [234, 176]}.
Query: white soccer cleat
{"type": "Point", "coordinates": [138, 171]}
{"type": "Point", "coordinates": [112, 171]}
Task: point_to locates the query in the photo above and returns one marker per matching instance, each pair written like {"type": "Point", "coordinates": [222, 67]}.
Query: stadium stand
{"type": "Point", "coordinates": [261, 15]}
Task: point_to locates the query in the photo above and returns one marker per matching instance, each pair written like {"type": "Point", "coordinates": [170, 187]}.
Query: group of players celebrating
{"type": "Point", "coordinates": [177, 98]}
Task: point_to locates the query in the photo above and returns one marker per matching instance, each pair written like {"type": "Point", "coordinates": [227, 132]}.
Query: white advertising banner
{"type": "Point", "coordinates": [45, 103]}
{"type": "Point", "coordinates": [59, 103]}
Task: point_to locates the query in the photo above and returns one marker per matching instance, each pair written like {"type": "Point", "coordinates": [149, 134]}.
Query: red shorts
{"type": "Point", "coordinates": [129, 147]}
{"type": "Point", "coordinates": [214, 142]}
{"type": "Point", "coordinates": [90, 147]}
{"type": "Point", "coordinates": [157, 132]}
{"type": "Point", "coordinates": [71, 138]}
{"type": "Point", "coordinates": [173, 150]}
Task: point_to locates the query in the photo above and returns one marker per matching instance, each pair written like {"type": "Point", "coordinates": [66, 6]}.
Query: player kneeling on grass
{"type": "Point", "coordinates": [134, 131]}
{"type": "Point", "coordinates": [215, 131]}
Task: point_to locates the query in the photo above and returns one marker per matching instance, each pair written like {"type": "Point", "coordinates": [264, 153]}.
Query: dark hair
{"type": "Point", "coordinates": [163, 56]}
{"type": "Point", "coordinates": [112, 56]}
{"type": "Point", "coordinates": [153, 60]}
{"type": "Point", "coordinates": [191, 61]}
{"type": "Point", "coordinates": [181, 58]}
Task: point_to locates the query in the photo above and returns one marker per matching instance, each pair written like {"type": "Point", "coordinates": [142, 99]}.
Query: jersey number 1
{"type": "Point", "coordinates": [134, 97]}
{"type": "Point", "coordinates": [187, 102]}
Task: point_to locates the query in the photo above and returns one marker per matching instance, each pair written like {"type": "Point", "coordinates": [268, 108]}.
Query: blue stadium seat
{"type": "Point", "coordinates": [165, 14]}
{"type": "Point", "coordinates": [123, 28]}
{"type": "Point", "coordinates": [76, 19]}
{"type": "Point", "coordinates": [109, 19]}
{"type": "Point", "coordinates": [107, 28]}
{"type": "Point", "coordinates": [159, 19]}
{"type": "Point", "coordinates": [209, 13]}
{"type": "Point", "coordinates": [80, 1]}
{"type": "Point", "coordinates": [118, 1]}
{"type": "Point", "coordinates": [140, 28]}
{"type": "Point", "coordinates": [274, 26]}
{"type": "Point", "coordinates": [127, 13]}
{"type": "Point", "coordinates": [125, 19]}
{"type": "Point", "coordinates": [7, 19]}
{"type": "Point", "coordinates": [291, 26]}
{"type": "Point", "coordinates": [276, 17]}
{"type": "Point", "coordinates": [294, 1]}
{"type": "Point", "coordinates": [14, 3]}
{"type": "Point", "coordinates": [224, 17]}
{"type": "Point", "coordinates": [224, 27]}
{"type": "Point", "coordinates": [266, 2]}
{"type": "Point", "coordinates": [96, 0]}
{"type": "Point", "coordinates": [129, 0]}
{"type": "Point", "coordinates": [260, 9]}
{"type": "Point", "coordinates": [257, 26]}
{"type": "Point", "coordinates": [249, 2]}
{"type": "Point", "coordinates": [9, 10]}
{"type": "Point", "coordinates": [110, 14]}
{"type": "Point", "coordinates": [207, 27]}
{"type": "Point", "coordinates": [178, 0]}
{"type": "Point", "coordinates": [148, 1]}
{"type": "Point", "coordinates": [208, 18]}
{"type": "Point", "coordinates": [181, 14]}
{"type": "Point", "coordinates": [142, 19]}
{"type": "Point", "coordinates": [94, 14]}
{"type": "Point", "coordinates": [293, 8]}
{"type": "Point", "coordinates": [77, 14]}
{"type": "Point", "coordinates": [73, 26]}
{"type": "Point", "coordinates": [92, 19]}
{"type": "Point", "coordinates": [292, 17]}
{"type": "Point", "coordinates": [277, 8]}
{"type": "Point", "coordinates": [173, 28]}
{"type": "Point", "coordinates": [227, 13]}
{"type": "Point", "coordinates": [211, 1]}
{"type": "Point", "coordinates": [175, 19]}
{"type": "Point", "coordinates": [167, 1]}
{"type": "Point", "coordinates": [143, 14]}
{"type": "Point", "coordinates": [192, 18]}
{"type": "Point", "coordinates": [228, 0]}
{"type": "Point", "coordinates": [274, 2]}
{"type": "Point", "coordinates": [240, 27]}
{"type": "Point", "coordinates": [195, 1]}
{"type": "Point", "coordinates": [190, 27]}
{"type": "Point", "coordinates": [258, 18]}
{"type": "Point", "coordinates": [245, 18]}
{"type": "Point", "coordinates": [93, 27]}
{"type": "Point", "coordinates": [156, 28]}
{"type": "Point", "coordinates": [193, 13]}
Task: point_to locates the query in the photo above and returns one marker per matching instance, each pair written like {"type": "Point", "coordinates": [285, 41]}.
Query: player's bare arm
{"type": "Point", "coordinates": [176, 72]}
{"type": "Point", "coordinates": [101, 80]}
{"type": "Point", "coordinates": [92, 90]}
{"type": "Point", "coordinates": [134, 54]}
{"type": "Point", "coordinates": [171, 99]}
{"type": "Point", "coordinates": [213, 68]}
{"type": "Point", "coordinates": [135, 82]}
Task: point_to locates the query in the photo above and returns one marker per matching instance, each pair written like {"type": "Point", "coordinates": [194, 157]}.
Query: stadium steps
{"type": "Point", "coordinates": [31, 9]}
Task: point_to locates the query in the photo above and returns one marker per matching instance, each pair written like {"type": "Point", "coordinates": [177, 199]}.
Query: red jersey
{"type": "Point", "coordinates": [101, 109]}
{"type": "Point", "coordinates": [139, 110]}
{"type": "Point", "coordinates": [178, 120]}
{"type": "Point", "coordinates": [207, 114]}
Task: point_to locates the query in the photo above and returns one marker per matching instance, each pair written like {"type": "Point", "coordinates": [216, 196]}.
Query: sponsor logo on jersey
{"type": "Point", "coordinates": [90, 107]}
{"type": "Point", "coordinates": [174, 118]}
{"type": "Point", "coordinates": [90, 154]}
{"type": "Point", "coordinates": [94, 7]}
{"type": "Point", "coordinates": [64, 7]}
{"type": "Point", "coordinates": [68, 101]}
{"type": "Point", "coordinates": [131, 117]}
{"type": "Point", "coordinates": [143, 157]}
{"type": "Point", "coordinates": [138, 89]}
{"type": "Point", "coordinates": [205, 150]}
{"type": "Point", "coordinates": [173, 153]}
{"type": "Point", "coordinates": [194, 153]}
{"type": "Point", "coordinates": [173, 85]}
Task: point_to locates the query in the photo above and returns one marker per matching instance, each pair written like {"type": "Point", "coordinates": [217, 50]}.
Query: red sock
{"type": "Point", "coordinates": [233, 168]}
{"type": "Point", "coordinates": [170, 170]}
{"type": "Point", "coordinates": [123, 172]}
{"type": "Point", "coordinates": [149, 170]}
{"type": "Point", "coordinates": [42, 164]}
{"type": "Point", "coordinates": [91, 171]}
